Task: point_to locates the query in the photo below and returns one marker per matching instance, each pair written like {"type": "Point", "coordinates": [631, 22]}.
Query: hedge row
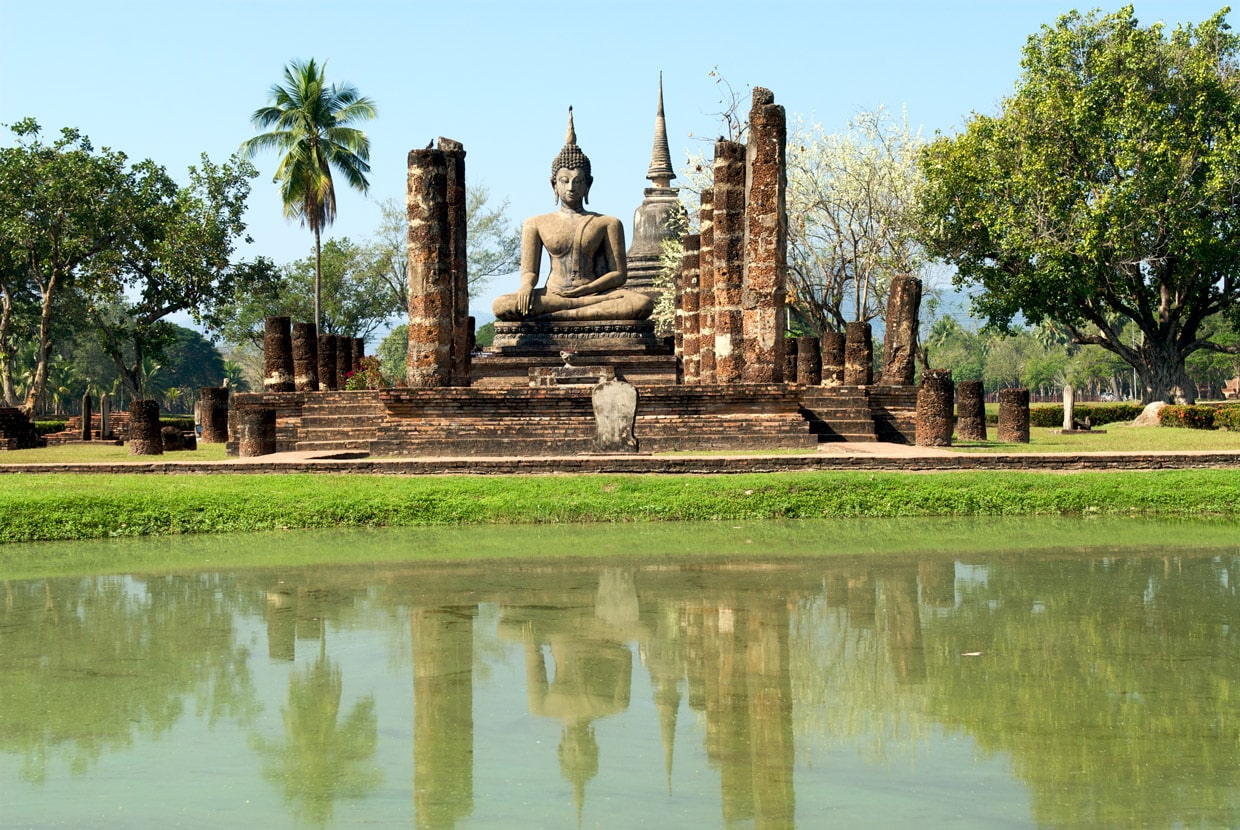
{"type": "Point", "coordinates": [1097, 413]}
{"type": "Point", "coordinates": [1201, 417]}
{"type": "Point", "coordinates": [182, 422]}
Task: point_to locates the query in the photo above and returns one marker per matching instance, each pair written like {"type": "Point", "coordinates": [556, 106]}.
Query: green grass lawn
{"type": "Point", "coordinates": [1112, 438]}
{"type": "Point", "coordinates": [105, 452]}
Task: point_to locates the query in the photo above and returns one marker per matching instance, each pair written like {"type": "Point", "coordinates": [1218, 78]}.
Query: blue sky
{"type": "Point", "coordinates": [169, 80]}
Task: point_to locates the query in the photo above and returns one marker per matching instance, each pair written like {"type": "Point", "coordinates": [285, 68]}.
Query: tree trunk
{"type": "Point", "coordinates": [1162, 374]}
{"type": "Point", "coordinates": [318, 259]}
{"type": "Point", "coordinates": [6, 352]}
{"type": "Point", "coordinates": [38, 383]}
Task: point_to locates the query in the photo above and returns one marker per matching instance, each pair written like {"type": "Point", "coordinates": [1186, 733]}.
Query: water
{"type": "Point", "coordinates": [990, 674]}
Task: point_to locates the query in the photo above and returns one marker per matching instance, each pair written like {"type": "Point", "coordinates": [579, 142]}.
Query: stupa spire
{"type": "Point", "coordinates": [661, 172]}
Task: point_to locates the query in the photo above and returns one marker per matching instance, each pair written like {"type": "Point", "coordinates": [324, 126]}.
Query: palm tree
{"type": "Point", "coordinates": [308, 121]}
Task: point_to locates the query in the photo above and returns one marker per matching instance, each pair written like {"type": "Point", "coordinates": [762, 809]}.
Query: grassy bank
{"type": "Point", "coordinates": [45, 507]}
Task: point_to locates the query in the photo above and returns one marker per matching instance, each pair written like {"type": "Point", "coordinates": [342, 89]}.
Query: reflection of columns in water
{"type": "Point", "coordinates": [903, 626]}
{"type": "Point", "coordinates": [281, 625]}
{"type": "Point", "coordinates": [770, 710]}
{"type": "Point", "coordinates": [443, 714]}
{"type": "Point", "coordinates": [862, 601]}
{"type": "Point", "coordinates": [938, 582]}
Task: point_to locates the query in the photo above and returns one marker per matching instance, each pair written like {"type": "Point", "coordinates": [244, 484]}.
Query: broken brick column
{"type": "Point", "coordinates": [86, 416]}
{"type": "Point", "coordinates": [145, 435]}
{"type": "Point", "coordinates": [327, 363]}
{"type": "Point", "coordinates": [706, 288]}
{"type": "Point", "coordinates": [305, 358]}
{"type": "Point", "coordinates": [458, 269]}
{"type": "Point", "coordinates": [766, 242]}
{"type": "Point", "coordinates": [833, 358]}
{"type": "Point", "coordinates": [256, 432]}
{"type": "Point", "coordinates": [809, 361]}
{"type": "Point", "coordinates": [858, 354]}
{"type": "Point", "coordinates": [900, 340]}
{"type": "Point", "coordinates": [277, 355]}
{"type": "Point", "coordinates": [934, 409]}
{"type": "Point", "coordinates": [970, 411]}
{"type": "Point", "coordinates": [344, 359]}
{"type": "Point", "coordinates": [213, 409]}
{"type": "Point", "coordinates": [1013, 416]}
{"type": "Point", "coordinates": [728, 259]}
{"type": "Point", "coordinates": [429, 362]}
{"type": "Point", "coordinates": [687, 310]}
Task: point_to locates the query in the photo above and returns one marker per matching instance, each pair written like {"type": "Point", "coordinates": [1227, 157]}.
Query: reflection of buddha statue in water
{"type": "Point", "coordinates": [587, 255]}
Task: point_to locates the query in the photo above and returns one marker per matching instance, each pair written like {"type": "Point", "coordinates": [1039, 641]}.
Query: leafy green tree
{"type": "Point", "coordinates": [1104, 191]}
{"type": "Point", "coordinates": [62, 207]}
{"type": "Point", "coordinates": [393, 353]}
{"type": "Point", "coordinates": [309, 122]}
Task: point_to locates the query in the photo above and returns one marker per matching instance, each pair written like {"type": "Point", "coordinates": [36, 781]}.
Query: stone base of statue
{"type": "Point", "coordinates": [552, 337]}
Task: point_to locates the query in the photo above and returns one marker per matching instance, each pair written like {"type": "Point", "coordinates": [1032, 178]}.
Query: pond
{"type": "Point", "coordinates": [1048, 673]}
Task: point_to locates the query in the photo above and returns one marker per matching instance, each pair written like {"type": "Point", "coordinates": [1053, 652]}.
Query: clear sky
{"type": "Point", "coordinates": [169, 81]}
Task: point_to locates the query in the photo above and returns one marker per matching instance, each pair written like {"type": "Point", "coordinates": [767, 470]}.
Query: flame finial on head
{"type": "Point", "coordinates": [571, 156]}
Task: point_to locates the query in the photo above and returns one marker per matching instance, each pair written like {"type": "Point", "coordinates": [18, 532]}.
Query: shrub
{"type": "Point", "coordinates": [49, 426]}
{"type": "Point", "coordinates": [1097, 413]}
{"type": "Point", "coordinates": [1187, 417]}
{"type": "Point", "coordinates": [367, 375]}
{"type": "Point", "coordinates": [185, 424]}
{"type": "Point", "coordinates": [1227, 417]}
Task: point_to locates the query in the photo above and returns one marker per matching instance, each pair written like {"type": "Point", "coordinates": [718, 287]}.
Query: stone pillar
{"type": "Point", "coordinates": [327, 363]}
{"type": "Point", "coordinates": [687, 310]}
{"type": "Point", "coordinates": [833, 358]}
{"type": "Point", "coordinates": [359, 351]}
{"type": "Point", "coordinates": [809, 361]}
{"type": "Point", "coordinates": [344, 359]}
{"type": "Point", "coordinates": [213, 406]}
{"type": "Point", "coordinates": [305, 358]}
{"type": "Point", "coordinates": [458, 269]}
{"type": "Point", "coordinates": [429, 363]}
{"type": "Point", "coordinates": [256, 432]}
{"type": "Point", "coordinates": [728, 259]}
{"type": "Point", "coordinates": [900, 341]}
{"type": "Point", "coordinates": [277, 356]}
{"type": "Point", "coordinates": [934, 409]}
{"type": "Point", "coordinates": [971, 411]}
{"type": "Point", "coordinates": [1069, 408]}
{"type": "Point", "coordinates": [790, 361]}
{"type": "Point", "coordinates": [105, 417]}
{"type": "Point", "coordinates": [145, 437]}
{"type": "Point", "coordinates": [706, 288]}
{"type": "Point", "coordinates": [87, 414]}
{"type": "Point", "coordinates": [766, 242]}
{"type": "Point", "coordinates": [858, 354]}
{"type": "Point", "coordinates": [1013, 416]}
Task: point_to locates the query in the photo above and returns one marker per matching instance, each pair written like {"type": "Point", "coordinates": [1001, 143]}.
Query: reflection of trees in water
{"type": "Point", "coordinates": [322, 758]}
{"type": "Point", "coordinates": [88, 664]}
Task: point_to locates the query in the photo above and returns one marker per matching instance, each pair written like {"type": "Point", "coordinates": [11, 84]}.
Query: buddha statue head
{"type": "Point", "coordinates": [571, 158]}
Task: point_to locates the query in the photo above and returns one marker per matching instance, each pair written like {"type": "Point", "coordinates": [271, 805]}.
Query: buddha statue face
{"type": "Point", "coordinates": [572, 186]}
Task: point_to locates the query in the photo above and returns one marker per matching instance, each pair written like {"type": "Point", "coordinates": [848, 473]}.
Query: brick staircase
{"type": "Point", "coordinates": [839, 413]}
{"type": "Point", "coordinates": [339, 421]}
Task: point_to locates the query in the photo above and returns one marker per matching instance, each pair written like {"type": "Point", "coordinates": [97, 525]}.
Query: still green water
{"type": "Point", "coordinates": [1052, 673]}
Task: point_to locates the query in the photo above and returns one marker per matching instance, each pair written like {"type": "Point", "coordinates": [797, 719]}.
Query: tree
{"type": "Point", "coordinates": [357, 299]}
{"type": "Point", "coordinates": [308, 121]}
{"type": "Point", "coordinates": [1107, 190]}
{"type": "Point", "coordinates": [176, 256]}
{"type": "Point", "coordinates": [492, 245]}
{"type": "Point", "coordinates": [62, 206]}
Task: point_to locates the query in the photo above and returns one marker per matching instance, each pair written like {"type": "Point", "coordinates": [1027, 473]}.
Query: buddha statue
{"type": "Point", "coordinates": [588, 267]}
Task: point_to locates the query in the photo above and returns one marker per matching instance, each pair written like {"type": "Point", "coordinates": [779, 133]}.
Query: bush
{"type": "Point", "coordinates": [180, 422]}
{"type": "Point", "coordinates": [49, 426]}
{"type": "Point", "coordinates": [1227, 417]}
{"type": "Point", "coordinates": [368, 375]}
{"type": "Point", "coordinates": [1097, 413]}
{"type": "Point", "coordinates": [1187, 417]}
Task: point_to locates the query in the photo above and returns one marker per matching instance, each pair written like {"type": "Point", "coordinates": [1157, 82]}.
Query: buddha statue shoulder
{"type": "Point", "coordinates": [587, 253]}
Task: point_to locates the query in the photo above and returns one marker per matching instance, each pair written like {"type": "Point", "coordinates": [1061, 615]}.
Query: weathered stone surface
{"type": "Point", "coordinates": [687, 311]}
{"type": "Point", "coordinates": [327, 363]}
{"type": "Point", "coordinates": [1013, 416]}
{"type": "Point", "coordinates": [256, 432]}
{"type": "Point", "coordinates": [458, 272]}
{"type": "Point", "coordinates": [173, 439]}
{"type": "Point", "coordinates": [766, 242]}
{"type": "Point", "coordinates": [790, 361]}
{"type": "Point", "coordinates": [86, 418]}
{"type": "Point", "coordinates": [833, 347]}
{"type": "Point", "coordinates": [305, 358]}
{"type": "Point", "coordinates": [16, 430]}
{"type": "Point", "coordinates": [809, 361]}
{"type": "Point", "coordinates": [615, 409]}
{"type": "Point", "coordinates": [344, 359]}
{"type": "Point", "coordinates": [541, 337]}
{"type": "Point", "coordinates": [971, 411]}
{"type": "Point", "coordinates": [728, 259]}
{"type": "Point", "coordinates": [277, 355]}
{"type": "Point", "coordinates": [1149, 416]}
{"type": "Point", "coordinates": [144, 428]}
{"type": "Point", "coordinates": [570, 375]}
{"type": "Point", "coordinates": [858, 354]}
{"type": "Point", "coordinates": [934, 409]}
{"type": "Point", "coordinates": [659, 218]}
{"type": "Point", "coordinates": [105, 417]}
{"type": "Point", "coordinates": [429, 362]}
{"type": "Point", "coordinates": [213, 409]}
{"type": "Point", "coordinates": [706, 287]}
{"type": "Point", "coordinates": [900, 339]}
{"type": "Point", "coordinates": [1069, 408]}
